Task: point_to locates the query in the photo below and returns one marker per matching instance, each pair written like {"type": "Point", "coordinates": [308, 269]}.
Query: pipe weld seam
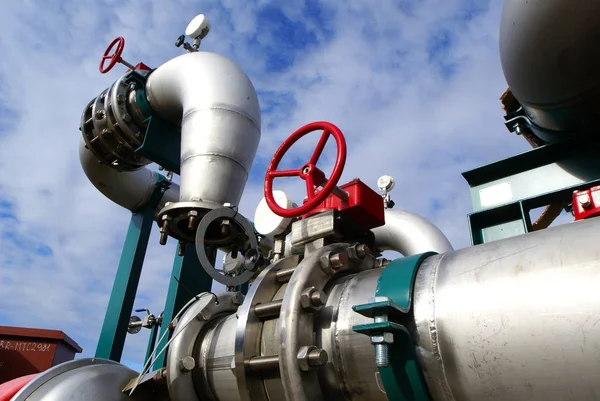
{"type": "Point", "coordinates": [214, 154]}
{"type": "Point", "coordinates": [220, 107]}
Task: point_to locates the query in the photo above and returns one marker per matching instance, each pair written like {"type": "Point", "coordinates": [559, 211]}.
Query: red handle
{"type": "Point", "coordinates": [309, 172]}
{"type": "Point", "coordinates": [114, 58]}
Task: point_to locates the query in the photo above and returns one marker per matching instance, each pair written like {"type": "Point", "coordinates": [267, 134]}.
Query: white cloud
{"type": "Point", "coordinates": [369, 70]}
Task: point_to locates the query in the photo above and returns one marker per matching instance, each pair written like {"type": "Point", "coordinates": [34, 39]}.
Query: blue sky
{"type": "Point", "coordinates": [413, 84]}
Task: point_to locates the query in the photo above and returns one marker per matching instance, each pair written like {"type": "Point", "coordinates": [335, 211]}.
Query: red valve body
{"type": "Point", "coordinates": [364, 206]}
{"type": "Point", "coordinates": [586, 203]}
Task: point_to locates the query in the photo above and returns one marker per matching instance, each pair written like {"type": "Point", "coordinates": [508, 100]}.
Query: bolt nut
{"type": "Point", "coordinates": [193, 213]}
{"type": "Point", "coordinates": [126, 117]}
{"type": "Point", "coordinates": [205, 314]}
{"type": "Point", "coordinates": [237, 298]}
{"type": "Point", "coordinates": [187, 364]}
{"type": "Point", "coordinates": [120, 98]}
{"type": "Point", "coordinates": [312, 299]}
{"type": "Point", "coordinates": [383, 338]}
{"type": "Point", "coordinates": [100, 114]}
{"type": "Point", "coordinates": [358, 251]}
{"type": "Point", "coordinates": [332, 262]}
{"type": "Point", "coordinates": [585, 203]}
{"type": "Point", "coordinates": [310, 357]}
{"type": "Point", "coordinates": [338, 260]}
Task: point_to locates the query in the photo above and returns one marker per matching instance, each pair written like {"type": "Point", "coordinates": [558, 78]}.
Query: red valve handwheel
{"type": "Point", "coordinates": [114, 58]}
{"type": "Point", "coordinates": [309, 172]}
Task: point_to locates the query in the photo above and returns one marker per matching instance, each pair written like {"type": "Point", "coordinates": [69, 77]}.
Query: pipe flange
{"type": "Point", "coordinates": [296, 323]}
{"type": "Point", "coordinates": [181, 362]}
{"type": "Point", "coordinates": [109, 130]}
{"type": "Point", "coordinates": [178, 216]}
{"type": "Point", "coordinates": [250, 327]}
{"type": "Point", "coordinates": [209, 224]}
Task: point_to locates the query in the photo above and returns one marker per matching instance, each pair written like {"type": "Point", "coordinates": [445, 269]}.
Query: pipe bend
{"type": "Point", "coordinates": [409, 234]}
{"type": "Point", "coordinates": [128, 189]}
{"type": "Point", "coordinates": [216, 105]}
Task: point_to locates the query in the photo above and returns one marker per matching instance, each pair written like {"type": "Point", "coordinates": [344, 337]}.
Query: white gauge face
{"type": "Point", "coordinates": [268, 223]}
{"type": "Point", "coordinates": [196, 26]}
{"type": "Point", "coordinates": [386, 183]}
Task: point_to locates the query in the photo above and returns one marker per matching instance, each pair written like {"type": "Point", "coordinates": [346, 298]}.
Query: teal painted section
{"type": "Point", "coordinates": [120, 305]}
{"type": "Point", "coordinates": [402, 379]}
{"type": "Point", "coordinates": [188, 279]}
{"type": "Point", "coordinates": [162, 143]}
{"type": "Point", "coordinates": [539, 177]}
{"type": "Point", "coordinates": [398, 279]}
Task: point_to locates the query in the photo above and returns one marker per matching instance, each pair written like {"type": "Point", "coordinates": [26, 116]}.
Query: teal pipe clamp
{"type": "Point", "coordinates": [394, 349]}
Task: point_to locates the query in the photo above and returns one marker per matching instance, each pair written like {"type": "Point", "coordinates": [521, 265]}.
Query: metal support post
{"type": "Point", "coordinates": [120, 305]}
{"type": "Point", "coordinates": [152, 341]}
{"type": "Point", "coordinates": [188, 279]}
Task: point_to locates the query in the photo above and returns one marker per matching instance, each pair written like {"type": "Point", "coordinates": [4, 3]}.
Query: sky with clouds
{"type": "Point", "coordinates": [413, 85]}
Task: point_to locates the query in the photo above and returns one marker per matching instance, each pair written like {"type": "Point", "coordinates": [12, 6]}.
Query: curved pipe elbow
{"type": "Point", "coordinates": [548, 56]}
{"type": "Point", "coordinates": [217, 107]}
{"type": "Point", "coordinates": [409, 234]}
{"type": "Point", "coordinates": [129, 189]}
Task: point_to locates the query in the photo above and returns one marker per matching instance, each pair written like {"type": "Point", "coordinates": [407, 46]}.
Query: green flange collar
{"type": "Point", "coordinates": [402, 378]}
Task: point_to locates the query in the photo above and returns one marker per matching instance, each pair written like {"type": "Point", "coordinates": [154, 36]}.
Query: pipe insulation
{"type": "Point", "coordinates": [128, 189]}
{"type": "Point", "coordinates": [216, 105]}
{"type": "Point", "coordinates": [409, 234]}
{"type": "Point", "coordinates": [550, 58]}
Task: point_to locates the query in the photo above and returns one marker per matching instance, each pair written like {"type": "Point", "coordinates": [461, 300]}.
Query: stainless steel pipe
{"type": "Point", "coordinates": [409, 234]}
{"type": "Point", "coordinates": [128, 189]}
{"type": "Point", "coordinates": [216, 105]}
{"type": "Point", "coordinates": [516, 319]}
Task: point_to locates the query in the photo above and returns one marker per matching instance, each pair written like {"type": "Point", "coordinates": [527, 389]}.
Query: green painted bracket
{"type": "Point", "coordinates": [116, 321]}
{"type": "Point", "coordinates": [377, 308]}
{"type": "Point", "coordinates": [162, 143]}
{"type": "Point", "coordinates": [402, 379]}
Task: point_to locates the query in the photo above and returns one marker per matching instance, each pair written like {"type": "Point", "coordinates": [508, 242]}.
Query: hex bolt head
{"type": "Point", "coordinates": [585, 203]}
{"type": "Point", "coordinates": [338, 260]}
{"type": "Point", "coordinates": [237, 298]}
{"type": "Point", "coordinates": [99, 114]}
{"type": "Point", "coordinates": [120, 98]}
{"type": "Point", "coordinates": [312, 299]}
{"type": "Point", "coordinates": [126, 117]}
{"type": "Point", "coordinates": [362, 250]}
{"type": "Point", "coordinates": [187, 364]}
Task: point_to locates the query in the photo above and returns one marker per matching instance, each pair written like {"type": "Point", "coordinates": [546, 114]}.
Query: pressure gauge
{"type": "Point", "coordinates": [268, 223]}
{"type": "Point", "coordinates": [386, 183]}
{"type": "Point", "coordinates": [198, 28]}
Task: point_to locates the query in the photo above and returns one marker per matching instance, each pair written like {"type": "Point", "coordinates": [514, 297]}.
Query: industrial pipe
{"type": "Point", "coordinates": [409, 234]}
{"type": "Point", "coordinates": [514, 319]}
{"type": "Point", "coordinates": [216, 105]}
{"type": "Point", "coordinates": [128, 189]}
{"type": "Point", "coordinates": [549, 58]}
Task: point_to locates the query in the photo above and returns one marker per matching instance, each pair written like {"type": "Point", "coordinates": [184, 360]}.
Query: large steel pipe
{"type": "Point", "coordinates": [129, 189]}
{"type": "Point", "coordinates": [216, 105]}
{"type": "Point", "coordinates": [550, 57]}
{"type": "Point", "coordinates": [516, 319]}
{"type": "Point", "coordinates": [409, 234]}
